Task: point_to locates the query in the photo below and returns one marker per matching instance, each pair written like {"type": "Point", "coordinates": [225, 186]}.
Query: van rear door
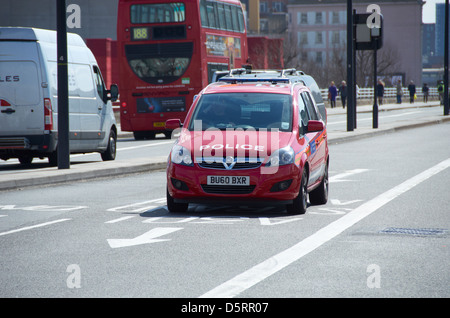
{"type": "Point", "coordinates": [21, 97]}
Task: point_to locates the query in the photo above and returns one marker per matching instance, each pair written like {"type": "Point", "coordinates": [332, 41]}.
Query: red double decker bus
{"type": "Point", "coordinates": [168, 51]}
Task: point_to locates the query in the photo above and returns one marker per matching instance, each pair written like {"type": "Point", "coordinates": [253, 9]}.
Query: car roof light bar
{"type": "Point", "coordinates": [253, 80]}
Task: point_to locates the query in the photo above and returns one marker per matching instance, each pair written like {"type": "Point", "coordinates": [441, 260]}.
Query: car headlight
{"type": "Point", "coordinates": [180, 155]}
{"type": "Point", "coordinates": [280, 157]}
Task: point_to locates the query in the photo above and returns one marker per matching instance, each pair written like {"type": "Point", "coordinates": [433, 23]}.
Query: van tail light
{"type": "Point", "coordinates": [4, 103]}
{"type": "Point", "coordinates": [48, 114]}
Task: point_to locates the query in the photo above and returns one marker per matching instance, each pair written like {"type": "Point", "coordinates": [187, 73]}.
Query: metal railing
{"type": "Point", "coordinates": [389, 92]}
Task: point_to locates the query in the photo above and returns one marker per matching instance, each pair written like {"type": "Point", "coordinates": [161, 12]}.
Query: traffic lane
{"type": "Point", "coordinates": [389, 254]}
{"type": "Point", "coordinates": [409, 265]}
{"type": "Point", "coordinates": [165, 269]}
{"type": "Point", "coordinates": [338, 122]}
{"type": "Point", "coordinates": [212, 246]}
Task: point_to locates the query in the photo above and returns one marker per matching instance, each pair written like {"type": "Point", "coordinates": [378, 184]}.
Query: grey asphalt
{"type": "Point", "coordinates": [85, 171]}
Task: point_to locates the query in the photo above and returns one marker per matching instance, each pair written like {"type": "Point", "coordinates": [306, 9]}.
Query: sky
{"type": "Point", "coordinates": [429, 11]}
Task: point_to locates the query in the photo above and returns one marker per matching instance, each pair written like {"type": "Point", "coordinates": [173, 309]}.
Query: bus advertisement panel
{"type": "Point", "coordinates": [168, 51]}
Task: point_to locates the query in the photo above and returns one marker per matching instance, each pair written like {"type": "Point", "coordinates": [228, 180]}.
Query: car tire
{"type": "Point", "coordinates": [320, 195]}
{"type": "Point", "coordinates": [175, 207]}
{"type": "Point", "coordinates": [300, 203]}
{"type": "Point", "coordinates": [110, 153]}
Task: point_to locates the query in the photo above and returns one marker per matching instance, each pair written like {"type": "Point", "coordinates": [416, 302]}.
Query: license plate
{"type": "Point", "coordinates": [228, 180]}
{"type": "Point", "coordinates": [159, 124]}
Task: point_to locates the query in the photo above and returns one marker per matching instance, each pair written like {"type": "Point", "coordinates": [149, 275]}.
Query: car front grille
{"type": "Point", "coordinates": [228, 189]}
{"type": "Point", "coordinates": [231, 164]}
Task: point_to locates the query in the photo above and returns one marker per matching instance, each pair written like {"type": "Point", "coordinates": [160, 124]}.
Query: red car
{"type": "Point", "coordinates": [249, 141]}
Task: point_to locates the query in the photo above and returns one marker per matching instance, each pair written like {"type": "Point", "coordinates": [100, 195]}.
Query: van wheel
{"type": "Point", "coordinates": [110, 153]}
{"type": "Point", "coordinates": [300, 203]}
{"type": "Point", "coordinates": [175, 207]}
{"type": "Point", "coordinates": [53, 158]}
{"type": "Point", "coordinates": [25, 160]}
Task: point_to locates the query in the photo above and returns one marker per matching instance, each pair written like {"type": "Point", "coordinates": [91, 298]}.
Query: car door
{"type": "Point", "coordinates": [316, 140]}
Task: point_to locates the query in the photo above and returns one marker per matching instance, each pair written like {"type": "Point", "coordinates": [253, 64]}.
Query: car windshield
{"type": "Point", "coordinates": [243, 110]}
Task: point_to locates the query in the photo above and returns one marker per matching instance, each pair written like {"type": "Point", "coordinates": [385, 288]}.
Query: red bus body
{"type": "Point", "coordinates": [167, 53]}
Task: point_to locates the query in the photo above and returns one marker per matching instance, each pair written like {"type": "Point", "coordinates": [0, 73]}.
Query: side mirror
{"type": "Point", "coordinates": [172, 124]}
{"type": "Point", "coordinates": [114, 92]}
{"type": "Point", "coordinates": [315, 125]}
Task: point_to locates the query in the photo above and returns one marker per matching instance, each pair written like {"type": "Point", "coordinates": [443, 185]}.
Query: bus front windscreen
{"type": "Point", "coordinates": [159, 63]}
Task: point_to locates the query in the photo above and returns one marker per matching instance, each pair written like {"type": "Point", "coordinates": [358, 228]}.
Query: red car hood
{"type": "Point", "coordinates": [236, 143]}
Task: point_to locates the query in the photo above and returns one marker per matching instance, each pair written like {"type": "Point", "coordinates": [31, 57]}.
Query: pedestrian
{"type": "Point", "coordinates": [399, 91]}
{"type": "Point", "coordinates": [412, 91]}
{"type": "Point", "coordinates": [440, 89]}
{"type": "Point", "coordinates": [332, 93]}
{"type": "Point", "coordinates": [425, 92]}
{"type": "Point", "coordinates": [380, 91]}
{"type": "Point", "coordinates": [343, 93]}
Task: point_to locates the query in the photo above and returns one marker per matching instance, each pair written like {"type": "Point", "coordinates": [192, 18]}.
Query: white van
{"type": "Point", "coordinates": [29, 98]}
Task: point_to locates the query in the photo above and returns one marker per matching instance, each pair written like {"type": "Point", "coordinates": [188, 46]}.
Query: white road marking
{"type": "Point", "coordinates": [33, 226]}
{"type": "Point", "coordinates": [259, 272]}
{"type": "Point", "coordinates": [340, 177]}
{"type": "Point", "coordinates": [139, 206]}
{"type": "Point", "coordinates": [267, 221]}
{"type": "Point", "coordinates": [146, 238]}
{"type": "Point", "coordinates": [339, 202]}
{"type": "Point", "coordinates": [120, 219]}
{"type": "Point", "coordinates": [147, 145]}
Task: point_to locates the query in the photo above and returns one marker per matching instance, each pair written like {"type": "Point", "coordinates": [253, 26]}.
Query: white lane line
{"type": "Point", "coordinates": [256, 274]}
{"type": "Point", "coordinates": [339, 177]}
{"type": "Point", "coordinates": [33, 226]}
{"type": "Point", "coordinates": [120, 219]}
{"type": "Point", "coordinates": [148, 145]}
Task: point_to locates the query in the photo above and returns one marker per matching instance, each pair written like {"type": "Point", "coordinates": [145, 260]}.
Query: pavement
{"type": "Point", "coordinates": [84, 171]}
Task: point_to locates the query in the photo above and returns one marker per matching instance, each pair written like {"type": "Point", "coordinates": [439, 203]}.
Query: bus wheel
{"type": "Point", "coordinates": [141, 135]}
{"type": "Point", "coordinates": [110, 153]}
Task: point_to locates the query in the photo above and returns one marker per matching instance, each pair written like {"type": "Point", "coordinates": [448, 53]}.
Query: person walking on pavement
{"type": "Point", "coordinates": [399, 91]}
{"type": "Point", "coordinates": [412, 91]}
{"type": "Point", "coordinates": [332, 93]}
{"type": "Point", "coordinates": [425, 92]}
{"type": "Point", "coordinates": [380, 91]}
{"type": "Point", "coordinates": [440, 89]}
{"type": "Point", "coordinates": [343, 93]}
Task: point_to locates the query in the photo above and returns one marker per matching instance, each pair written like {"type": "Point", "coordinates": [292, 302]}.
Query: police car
{"type": "Point", "coordinates": [247, 141]}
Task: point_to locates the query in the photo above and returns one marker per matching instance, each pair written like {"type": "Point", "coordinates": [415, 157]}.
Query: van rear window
{"type": "Point", "coordinates": [19, 83]}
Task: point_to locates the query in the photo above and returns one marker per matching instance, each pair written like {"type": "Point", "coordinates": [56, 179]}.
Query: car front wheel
{"type": "Point", "coordinates": [300, 203]}
{"type": "Point", "coordinates": [320, 195]}
{"type": "Point", "coordinates": [175, 207]}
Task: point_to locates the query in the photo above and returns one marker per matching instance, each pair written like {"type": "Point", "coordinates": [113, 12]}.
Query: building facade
{"type": "Point", "coordinates": [319, 28]}
{"type": "Point", "coordinates": [97, 18]}
{"type": "Point", "coordinates": [440, 29]}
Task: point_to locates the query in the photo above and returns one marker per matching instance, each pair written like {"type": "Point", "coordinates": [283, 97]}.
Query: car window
{"type": "Point", "coordinates": [303, 116]}
{"type": "Point", "coordinates": [243, 110]}
{"type": "Point", "coordinates": [312, 113]}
